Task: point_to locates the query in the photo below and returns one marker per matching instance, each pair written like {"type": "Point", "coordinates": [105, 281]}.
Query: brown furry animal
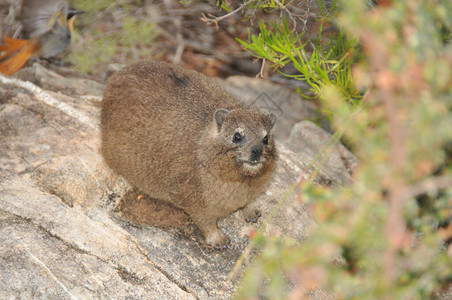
{"type": "Point", "coordinates": [179, 137]}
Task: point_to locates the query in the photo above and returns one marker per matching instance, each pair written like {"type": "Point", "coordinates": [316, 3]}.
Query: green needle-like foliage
{"type": "Point", "coordinates": [328, 63]}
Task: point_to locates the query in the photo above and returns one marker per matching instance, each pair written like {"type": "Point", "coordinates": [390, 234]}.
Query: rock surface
{"type": "Point", "coordinates": [69, 227]}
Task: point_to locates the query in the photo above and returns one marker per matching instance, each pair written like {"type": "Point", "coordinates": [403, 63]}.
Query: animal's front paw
{"type": "Point", "coordinates": [251, 215]}
{"type": "Point", "coordinates": [218, 240]}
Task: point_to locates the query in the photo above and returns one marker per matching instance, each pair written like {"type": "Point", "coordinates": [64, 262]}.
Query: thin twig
{"type": "Point", "coordinates": [429, 185]}
{"type": "Point", "coordinates": [201, 49]}
{"type": "Point", "coordinates": [180, 41]}
{"type": "Point", "coordinates": [305, 20]}
{"type": "Point", "coordinates": [261, 72]}
{"type": "Point", "coordinates": [209, 19]}
{"type": "Point", "coordinates": [282, 7]}
{"type": "Point", "coordinates": [307, 13]}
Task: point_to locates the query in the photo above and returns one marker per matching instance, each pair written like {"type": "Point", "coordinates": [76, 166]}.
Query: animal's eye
{"type": "Point", "coordinates": [237, 137]}
{"type": "Point", "coordinates": [265, 140]}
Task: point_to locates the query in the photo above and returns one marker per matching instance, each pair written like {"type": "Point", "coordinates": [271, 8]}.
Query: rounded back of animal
{"type": "Point", "coordinates": [179, 137]}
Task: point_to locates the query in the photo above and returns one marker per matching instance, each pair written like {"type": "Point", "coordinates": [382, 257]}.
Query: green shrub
{"type": "Point", "coordinates": [129, 38]}
{"type": "Point", "coordinates": [386, 78]}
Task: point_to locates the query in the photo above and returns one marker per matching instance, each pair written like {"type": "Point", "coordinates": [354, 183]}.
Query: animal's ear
{"type": "Point", "coordinates": [219, 115]}
{"type": "Point", "coordinates": [272, 118]}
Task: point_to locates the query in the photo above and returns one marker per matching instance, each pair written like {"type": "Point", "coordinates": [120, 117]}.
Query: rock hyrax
{"type": "Point", "coordinates": [179, 137]}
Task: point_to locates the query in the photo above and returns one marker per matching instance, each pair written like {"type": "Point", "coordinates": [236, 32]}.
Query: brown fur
{"type": "Point", "coordinates": [169, 131]}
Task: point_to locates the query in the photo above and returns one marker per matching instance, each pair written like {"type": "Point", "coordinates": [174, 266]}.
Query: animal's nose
{"type": "Point", "coordinates": [256, 151]}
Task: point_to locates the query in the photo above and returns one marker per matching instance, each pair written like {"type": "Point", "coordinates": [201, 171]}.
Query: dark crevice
{"type": "Point", "coordinates": [162, 271]}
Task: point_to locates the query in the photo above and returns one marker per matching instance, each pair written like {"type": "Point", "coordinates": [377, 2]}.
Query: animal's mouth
{"type": "Point", "coordinates": [253, 162]}
{"type": "Point", "coordinates": [251, 167]}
